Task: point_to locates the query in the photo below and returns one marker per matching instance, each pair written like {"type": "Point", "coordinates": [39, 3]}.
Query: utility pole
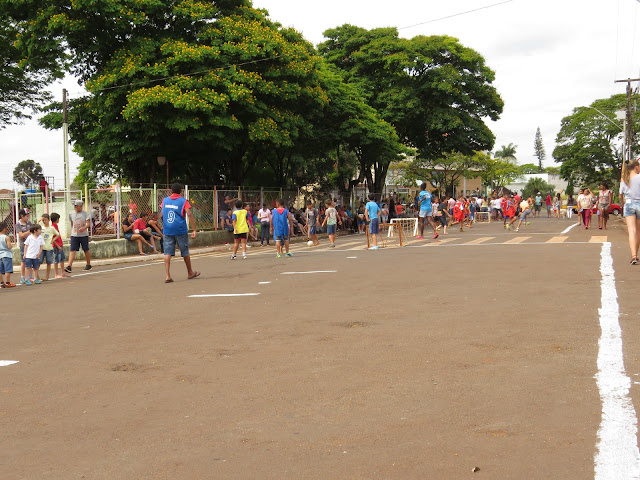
{"type": "Point", "coordinates": [628, 131]}
{"type": "Point", "coordinates": [65, 136]}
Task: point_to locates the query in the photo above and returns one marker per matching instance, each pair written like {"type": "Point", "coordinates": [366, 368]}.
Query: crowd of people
{"type": "Point", "coordinates": [41, 243]}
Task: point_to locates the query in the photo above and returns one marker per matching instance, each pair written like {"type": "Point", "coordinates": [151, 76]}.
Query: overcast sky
{"type": "Point", "coordinates": [549, 57]}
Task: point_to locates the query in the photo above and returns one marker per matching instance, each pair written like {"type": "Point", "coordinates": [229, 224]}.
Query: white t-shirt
{"type": "Point", "coordinates": [263, 214]}
{"type": "Point", "coordinates": [32, 246]}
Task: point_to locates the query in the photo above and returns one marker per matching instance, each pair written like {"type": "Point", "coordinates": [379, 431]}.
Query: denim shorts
{"type": "Point", "coordinates": [32, 263]}
{"type": "Point", "coordinates": [47, 255]}
{"type": "Point", "coordinates": [281, 238]}
{"type": "Point", "coordinates": [312, 230]}
{"type": "Point", "coordinates": [632, 208]}
{"type": "Point", "coordinates": [77, 242]}
{"type": "Point", "coordinates": [170, 244]}
{"type": "Point", "coordinates": [331, 229]}
{"type": "Point", "coordinates": [6, 265]}
{"type": "Point", "coordinates": [58, 255]}
{"type": "Point", "coordinates": [523, 215]}
{"type": "Point", "coordinates": [374, 226]}
{"type": "Point", "coordinates": [425, 213]}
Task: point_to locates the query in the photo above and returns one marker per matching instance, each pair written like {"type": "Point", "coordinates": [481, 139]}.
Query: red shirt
{"type": "Point", "coordinates": [139, 224]}
{"type": "Point", "coordinates": [58, 241]}
{"type": "Point", "coordinates": [399, 209]}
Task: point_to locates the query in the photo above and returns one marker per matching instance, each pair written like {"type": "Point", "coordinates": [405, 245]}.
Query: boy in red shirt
{"type": "Point", "coordinates": [58, 251]}
{"type": "Point", "coordinates": [140, 226]}
{"type": "Point", "coordinates": [509, 213]}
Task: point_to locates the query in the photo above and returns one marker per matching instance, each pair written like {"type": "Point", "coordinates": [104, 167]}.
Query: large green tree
{"type": "Point", "coordinates": [436, 92]}
{"type": "Point", "coordinates": [22, 85]}
{"type": "Point", "coordinates": [216, 87]}
{"type": "Point", "coordinates": [589, 143]}
{"type": "Point", "coordinates": [27, 172]}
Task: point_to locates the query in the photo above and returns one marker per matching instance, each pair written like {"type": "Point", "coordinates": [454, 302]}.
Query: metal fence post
{"type": "Point", "coordinates": [117, 213]}
{"type": "Point", "coordinates": [215, 207]}
{"type": "Point", "coordinates": [89, 209]}
{"type": "Point", "coordinates": [186, 195]}
{"type": "Point", "coordinates": [15, 214]}
{"type": "Point", "coordinates": [154, 203]}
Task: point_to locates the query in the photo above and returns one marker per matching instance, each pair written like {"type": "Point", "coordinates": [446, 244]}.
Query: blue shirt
{"type": "Point", "coordinates": [425, 201]}
{"type": "Point", "coordinates": [174, 220]}
{"type": "Point", "coordinates": [280, 222]}
{"type": "Point", "coordinates": [373, 209]}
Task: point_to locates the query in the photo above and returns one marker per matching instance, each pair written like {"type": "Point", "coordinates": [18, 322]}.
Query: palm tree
{"type": "Point", "coordinates": [507, 152]}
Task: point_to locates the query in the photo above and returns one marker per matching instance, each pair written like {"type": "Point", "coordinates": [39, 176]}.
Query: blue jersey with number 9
{"type": "Point", "coordinates": [173, 216]}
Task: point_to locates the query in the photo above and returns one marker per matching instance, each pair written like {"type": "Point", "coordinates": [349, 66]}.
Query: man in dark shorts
{"type": "Point", "coordinates": [175, 209]}
{"type": "Point", "coordinates": [80, 221]}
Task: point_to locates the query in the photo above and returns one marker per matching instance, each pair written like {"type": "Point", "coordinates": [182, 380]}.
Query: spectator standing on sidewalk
{"type": "Point", "coordinates": [175, 210]}
{"type": "Point", "coordinates": [80, 221]}
{"type": "Point", "coordinates": [264, 216]}
{"type": "Point", "coordinates": [23, 226]}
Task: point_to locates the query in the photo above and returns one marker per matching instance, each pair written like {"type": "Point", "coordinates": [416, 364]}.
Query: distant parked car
{"type": "Point", "coordinates": [614, 209]}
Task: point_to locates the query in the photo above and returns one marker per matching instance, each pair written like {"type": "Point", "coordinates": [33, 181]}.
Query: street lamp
{"type": "Point", "coordinates": [161, 161]}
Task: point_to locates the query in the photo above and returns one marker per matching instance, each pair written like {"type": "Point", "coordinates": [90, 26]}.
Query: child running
{"type": "Point", "coordinates": [6, 258]}
{"type": "Point", "coordinates": [372, 214]}
{"type": "Point", "coordinates": [32, 253]}
{"type": "Point", "coordinates": [509, 213]}
{"type": "Point", "coordinates": [280, 228]}
{"type": "Point", "coordinates": [458, 212]}
{"type": "Point", "coordinates": [240, 230]}
{"type": "Point", "coordinates": [525, 208]}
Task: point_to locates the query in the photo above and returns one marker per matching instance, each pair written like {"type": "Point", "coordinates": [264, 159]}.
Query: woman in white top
{"type": "Point", "coordinates": [605, 198]}
{"type": "Point", "coordinates": [585, 203]}
{"type": "Point", "coordinates": [630, 193]}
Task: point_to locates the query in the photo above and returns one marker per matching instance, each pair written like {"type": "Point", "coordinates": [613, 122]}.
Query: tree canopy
{"type": "Point", "coordinates": [22, 85]}
{"type": "Point", "coordinates": [507, 152]}
{"type": "Point", "coordinates": [27, 172]}
{"type": "Point", "coordinates": [589, 143]}
{"type": "Point", "coordinates": [538, 148]}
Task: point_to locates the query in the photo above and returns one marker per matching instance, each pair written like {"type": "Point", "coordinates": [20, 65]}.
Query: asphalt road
{"type": "Point", "coordinates": [477, 352]}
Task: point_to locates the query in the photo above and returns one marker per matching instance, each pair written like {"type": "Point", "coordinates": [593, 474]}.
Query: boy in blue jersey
{"type": "Point", "coordinates": [280, 228]}
{"type": "Point", "coordinates": [372, 214]}
{"type": "Point", "coordinates": [426, 212]}
{"type": "Point", "coordinates": [175, 210]}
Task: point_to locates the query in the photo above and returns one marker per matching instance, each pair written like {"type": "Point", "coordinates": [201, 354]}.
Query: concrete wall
{"type": "Point", "coordinates": [122, 247]}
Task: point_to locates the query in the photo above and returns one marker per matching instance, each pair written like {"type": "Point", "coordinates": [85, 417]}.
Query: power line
{"type": "Point", "coordinates": [459, 14]}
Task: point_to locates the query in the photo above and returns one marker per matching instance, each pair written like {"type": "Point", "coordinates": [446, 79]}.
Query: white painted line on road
{"type": "Point", "coordinates": [264, 283]}
{"type": "Point", "coordinates": [6, 363]}
{"type": "Point", "coordinates": [352, 257]}
{"type": "Point", "coordinates": [225, 295]}
{"type": "Point", "coordinates": [568, 229]}
{"type": "Point", "coordinates": [305, 273]}
{"type": "Point", "coordinates": [617, 454]}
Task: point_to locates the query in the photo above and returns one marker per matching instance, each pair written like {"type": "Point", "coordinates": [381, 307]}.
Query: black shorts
{"type": "Point", "coordinates": [77, 242]}
{"type": "Point", "coordinates": [238, 236]}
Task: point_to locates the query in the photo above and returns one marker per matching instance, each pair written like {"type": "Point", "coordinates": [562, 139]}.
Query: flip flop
{"type": "Point", "coordinates": [169, 281]}
{"type": "Point", "coordinates": [195, 274]}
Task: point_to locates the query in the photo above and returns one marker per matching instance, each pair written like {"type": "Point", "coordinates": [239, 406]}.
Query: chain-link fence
{"type": "Point", "coordinates": [8, 213]}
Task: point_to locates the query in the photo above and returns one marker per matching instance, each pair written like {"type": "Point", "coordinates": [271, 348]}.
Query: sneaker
{"type": "Point", "coordinates": [27, 282]}
{"type": "Point", "coordinates": [375, 247]}
{"type": "Point", "coordinates": [37, 281]}
{"type": "Point", "coordinates": [278, 255]}
{"type": "Point", "coordinates": [528, 223]}
{"type": "Point", "coordinates": [67, 269]}
{"type": "Point", "coordinates": [508, 227]}
{"type": "Point", "coordinates": [517, 229]}
{"type": "Point", "coordinates": [233, 257]}
{"type": "Point", "coordinates": [289, 254]}
{"type": "Point", "coordinates": [88, 267]}
{"type": "Point", "coordinates": [333, 245]}
{"type": "Point", "coordinates": [244, 257]}
{"type": "Point", "coordinates": [22, 281]}
{"type": "Point", "coordinates": [436, 235]}
{"type": "Point", "coordinates": [419, 237]}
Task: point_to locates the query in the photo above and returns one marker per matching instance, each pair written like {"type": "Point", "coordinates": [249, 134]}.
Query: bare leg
{"type": "Point", "coordinates": [87, 256]}
{"type": "Point", "coordinates": [167, 267]}
{"type": "Point", "coordinates": [632, 226]}
{"type": "Point", "coordinates": [72, 257]}
{"type": "Point", "coordinates": [187, 262]}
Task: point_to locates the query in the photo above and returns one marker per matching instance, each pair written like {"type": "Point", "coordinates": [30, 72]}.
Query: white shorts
{"type": "Point", "coordinates": [426, 213]}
